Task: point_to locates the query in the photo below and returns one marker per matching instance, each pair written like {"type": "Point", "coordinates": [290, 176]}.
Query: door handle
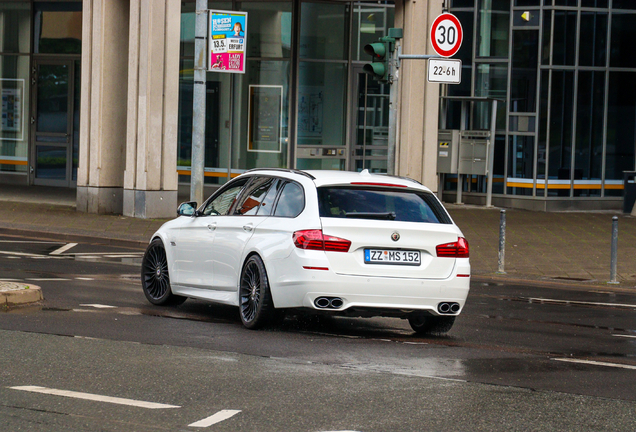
{"type": "Point", "coordinates": [248, 227]}
{"type": "Point", "coordinates": [211, 227]}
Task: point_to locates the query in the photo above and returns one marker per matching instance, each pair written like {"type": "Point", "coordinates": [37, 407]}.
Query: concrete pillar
{"type": "Point", "coordinates": [418, 109]}
{"type": "Point", "coordinates": [100, 178]}
{"type": "Point", "coordinates": [150, 180]}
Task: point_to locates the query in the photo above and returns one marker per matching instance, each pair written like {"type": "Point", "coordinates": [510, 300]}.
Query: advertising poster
{"type": "Point", "coordinates": [227, 41]}
{"type": "Point", "coordinates": [265, 117]}
{"type": "Point", "coordinates": [12, 106]}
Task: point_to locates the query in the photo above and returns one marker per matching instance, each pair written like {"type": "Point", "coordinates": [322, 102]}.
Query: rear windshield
{"type": "Point", "coordinates": [381, 204]}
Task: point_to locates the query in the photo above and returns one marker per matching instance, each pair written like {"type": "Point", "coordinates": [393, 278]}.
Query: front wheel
{"type": "Point", "coordinates": [429, 324]}
{"type": "Point", "coordinates": [256, 305]}
{"type": "Point", "coordinates": [155, 279]}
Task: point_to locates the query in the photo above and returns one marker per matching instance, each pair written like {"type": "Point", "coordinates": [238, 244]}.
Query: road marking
{"type": "Point", "coordinates": [19, 254]}
{"type": "Point", "coordinates": [46, 279]}
{"type": "Point", "coordinates": [627, 336]}
{"type": "Point", "coordinates": [28, 242]}
{"type": "Point", "coordinates": [63, 249]}
{"type": "Point", "coordinates": [574, 302]}
{"type": "Point", "coordinates": [595, 363]}
{"type": "Point", "coordinates": [216, 418]}
{"type": "Point", "coordinates": [84, 278]}
{"type": "Point", "coordinates": [94, 397]}
{"type": "Point", "coordinates": [106, 253]}
{"type": "Point", "coordinates": [98, 306]}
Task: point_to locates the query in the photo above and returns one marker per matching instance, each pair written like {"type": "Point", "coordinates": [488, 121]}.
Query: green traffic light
{"type": "Point", "coordinates": [377, 50]}
{"type": "Point", "coordinates": [375, 69]}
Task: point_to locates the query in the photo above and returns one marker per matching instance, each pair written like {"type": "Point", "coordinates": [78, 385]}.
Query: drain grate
{"type": "Point", "coordinates": [572, 279]}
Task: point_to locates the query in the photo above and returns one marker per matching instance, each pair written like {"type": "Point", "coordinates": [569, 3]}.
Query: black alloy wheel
{"type": "Point", "coordinates": [429, 324]}
{"type": "Point", "coordinates": [155, 279]}
{"type": "Point", "coordinates": [255, 300]}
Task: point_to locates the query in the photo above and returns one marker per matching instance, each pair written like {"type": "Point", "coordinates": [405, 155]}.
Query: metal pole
{"type": "Point", "coordinates": [393, 99]}
{"type": "Point", "coordinates": [491, 153]}
{"type": "Point", "coordinates": [614, 259]}
{"type": "Point", "coordinates": [197, 165]}
{"type": "Point", "coordinates": [502, 242]}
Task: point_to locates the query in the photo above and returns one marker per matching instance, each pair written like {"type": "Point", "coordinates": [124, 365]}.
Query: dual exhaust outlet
{"type": "Point", "coordinates": [328, 302]}
{"type": "Point", "coordinates": [448, 308]}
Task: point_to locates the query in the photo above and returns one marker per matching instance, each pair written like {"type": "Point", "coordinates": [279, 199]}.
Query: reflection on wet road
{"type": "Point", "coordinates": [573, 339]}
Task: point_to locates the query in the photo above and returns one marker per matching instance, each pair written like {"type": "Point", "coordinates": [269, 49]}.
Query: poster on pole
{"type": "Point", "coordinates": [227, 41]}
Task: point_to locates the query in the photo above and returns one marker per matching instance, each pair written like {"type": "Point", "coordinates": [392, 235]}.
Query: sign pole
{"type": "Point", "coordinates": [197, 164]}
{"type": "Point", "coordinates": [393, 101]}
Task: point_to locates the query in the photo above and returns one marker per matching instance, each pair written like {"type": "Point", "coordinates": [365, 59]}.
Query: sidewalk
{"type": "Point", "coordinates": [568, 247]}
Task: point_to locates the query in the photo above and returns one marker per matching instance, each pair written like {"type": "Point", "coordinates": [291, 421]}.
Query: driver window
{"type": "Point", "coordinates": [222, 203]}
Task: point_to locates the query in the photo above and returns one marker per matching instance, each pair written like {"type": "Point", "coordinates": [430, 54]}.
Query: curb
{"type": "Point", "coordinates": [14, 293]}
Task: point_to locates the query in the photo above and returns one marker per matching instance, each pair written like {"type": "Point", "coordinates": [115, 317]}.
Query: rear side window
{"type": "Point", "coordinates": [255, 192]}
{"type": "Point", "coordinates": [291, 201]}
{"type": "Point", "coordinates": [380, 204]}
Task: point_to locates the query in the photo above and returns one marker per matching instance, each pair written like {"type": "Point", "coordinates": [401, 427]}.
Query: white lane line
{"type": "Point", "coordinates": [84, 278]}
{"type": "Point", "coordinates": [574, 302]}
{"type": "Point", "coordinates": [99, 306]}
{"type": "Point", "coordinates": [19, 254]}
{"type": "Point", "coordinates": [627, 336]}
{"type": "Point", "coordinates": [122, 256]}
{"type": "Point", "coordinates": [9, 280]}
{"type": "Point", "coordinates": [216, 418]}
{"type": "Point", "coordinates": [595, 363]}
{"type": "Point", "coordinates": [46, 279]}
{"type": "Point", "coordinates": [94, 397]}
{"type": "Point", "coordinates": [29, 242]}
{"type": "Point", "coordinates": [63, 249]}
{"type": "Point", "coordinates": [106, 253]}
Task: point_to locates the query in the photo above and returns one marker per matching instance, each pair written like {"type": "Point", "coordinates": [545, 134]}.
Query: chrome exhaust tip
{"type": "Point", "coordinates": [454, 307]}
{"type": "Point", "coordinates": [336, 303]}
{"type": "Point", "coordinates": [444, 308]}
{"type": "Point", "coordinates": [322, 302]}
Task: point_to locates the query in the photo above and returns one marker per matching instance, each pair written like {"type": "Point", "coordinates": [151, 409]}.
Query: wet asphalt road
{"type": "Point", "coordinates": [518, 358]}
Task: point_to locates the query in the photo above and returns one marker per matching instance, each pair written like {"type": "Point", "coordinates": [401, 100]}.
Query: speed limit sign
{"type": "Point", "coordinates": [446, 35]}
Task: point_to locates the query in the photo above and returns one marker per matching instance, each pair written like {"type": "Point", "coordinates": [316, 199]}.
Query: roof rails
{"type": "Point", "coordinates": [294, 171]}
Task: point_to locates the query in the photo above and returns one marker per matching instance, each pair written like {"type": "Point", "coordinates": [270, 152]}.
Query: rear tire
{"type": "Point", "coordinates": [255, 300]}
{"type": "Point", "coordinates": [429, 324]}
{"type": "Point", "coordinates": [155, 279]}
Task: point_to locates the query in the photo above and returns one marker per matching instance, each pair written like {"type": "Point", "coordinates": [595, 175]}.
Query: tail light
{"type": "Point", "coordinates": [458, 249]}
{"type": "Point", "coordinates": [316, 240]}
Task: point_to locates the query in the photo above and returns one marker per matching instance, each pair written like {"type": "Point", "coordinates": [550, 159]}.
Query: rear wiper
{"type": "Point", "coordinates": [372, 215]}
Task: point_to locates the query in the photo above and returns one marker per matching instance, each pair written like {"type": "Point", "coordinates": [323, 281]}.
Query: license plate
{"type": "Point", "coordinates": [388, 256]}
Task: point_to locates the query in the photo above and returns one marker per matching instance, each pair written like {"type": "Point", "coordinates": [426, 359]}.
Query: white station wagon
{"type": "Point", "coordinates": [344, 243]}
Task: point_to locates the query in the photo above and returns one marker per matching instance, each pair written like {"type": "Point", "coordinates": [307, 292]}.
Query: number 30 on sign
{"type": "Point", "coordinates": [446, 35]}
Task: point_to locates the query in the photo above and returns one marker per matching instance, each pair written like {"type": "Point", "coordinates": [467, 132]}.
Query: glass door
{"type": "Point", "coordinates": [370, 117]}
{"type": "Point", "coordinates": [55, 122]}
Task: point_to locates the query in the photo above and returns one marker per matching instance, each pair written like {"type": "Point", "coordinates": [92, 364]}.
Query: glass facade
{"type": "Point", "coordinates": [568, 116]}
{"type": "Point", "coordinates": [292, 106]}
{"type": "Point", "coordinates": [40, 51]}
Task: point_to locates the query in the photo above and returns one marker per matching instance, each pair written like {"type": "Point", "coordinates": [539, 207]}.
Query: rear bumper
{"type": "Point", "coordinates": [299, 287]}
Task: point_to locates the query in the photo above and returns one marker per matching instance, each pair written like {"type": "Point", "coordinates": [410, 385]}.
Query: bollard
{"type": "Point", "coordinates": [614, 259]}
{"type": "Point", "coordinates": [502, 242]}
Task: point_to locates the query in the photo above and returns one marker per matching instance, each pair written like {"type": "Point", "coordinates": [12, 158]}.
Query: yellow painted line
{"type": "Point", "coordinates": [13, 162]}
{"type": "Point", "coordinates": [209, 174]}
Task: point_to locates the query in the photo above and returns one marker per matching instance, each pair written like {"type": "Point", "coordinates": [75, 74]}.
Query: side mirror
{"type": "Point", "coordinates": [187, 209]}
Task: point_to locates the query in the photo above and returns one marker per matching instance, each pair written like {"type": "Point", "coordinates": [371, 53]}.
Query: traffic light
{"type": "Point", "coordinates": [381, 53]}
